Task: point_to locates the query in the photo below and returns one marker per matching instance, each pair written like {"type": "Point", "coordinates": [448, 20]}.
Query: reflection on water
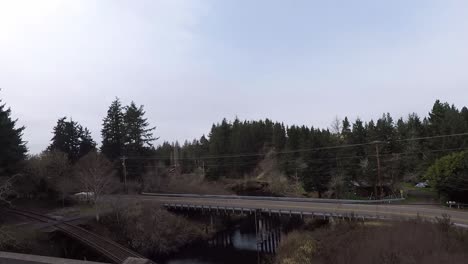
{"type": "Point", "coordinates": [240, 248]}
{"type": "Point", "coordinates": [244, 241]}
{"type": "Point", "coordinates": [189, 261]}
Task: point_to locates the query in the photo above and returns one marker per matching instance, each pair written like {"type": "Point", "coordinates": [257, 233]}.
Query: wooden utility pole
{"type": "Point", "coordinates": [124, 170]}
{"type": "Point", "coordinates": [379, 177]}
{"type": "Point", "coordinates": [296, 177]}
{"type": "Point", "coordinates": [203, 164]}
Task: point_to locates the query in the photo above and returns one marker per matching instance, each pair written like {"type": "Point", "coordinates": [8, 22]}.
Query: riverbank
{"type": "Point", "coordinates": [150, 230]}
{"type": "Point", "coordinates": [414, 241]}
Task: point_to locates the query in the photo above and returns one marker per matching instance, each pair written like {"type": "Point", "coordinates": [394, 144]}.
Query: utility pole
{"type": "Point", "coordinates": [203, 164]}
{"type": "Point", "coordinates": [379, 177]}
{"type": "Point", "coordinates": [124, 170]}
{"type": "Point", "coordinates": [295, 176]}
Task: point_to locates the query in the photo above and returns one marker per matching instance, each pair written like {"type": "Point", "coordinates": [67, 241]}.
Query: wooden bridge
{"type": "Point", "coordinates": [318, 208]}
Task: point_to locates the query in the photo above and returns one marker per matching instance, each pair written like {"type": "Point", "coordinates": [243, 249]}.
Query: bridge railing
{"type": "Point", "coordinates": [270, 198]}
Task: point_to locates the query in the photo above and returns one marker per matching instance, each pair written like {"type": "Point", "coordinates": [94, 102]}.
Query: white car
{"type": "Point", "coordinates": [421, 185]}
{"type": "Point", "coordinates": [84, 196]}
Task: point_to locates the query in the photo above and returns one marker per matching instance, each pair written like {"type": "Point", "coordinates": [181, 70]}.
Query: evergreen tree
{"type": "Point", "coordinates": [204, 146]}
{"type": "Point", "coordinates": [445, 119]}
{"type": "Point", "coordinates": [219, 146]}
{"type": "Point", "coordinates": [137, 142]}
{"type": "Point", "coordinates": [464, 113]}
{"type": "Point", "coordinates": [403, 151]}
{"type": "Point", "coordinates": [113, 131]}
{"type": "Point", "coordinates": [320, 163]}
{"type": "Point", "coordinates": [12, 147]}
{"type": "Point", "coordinates": [346, 128]}
{"type": "Point", "coordinates": [137, 133]}
{"type": "Point", "coordinates": [71, 139]}
{"type": "Point", "coordinates": [279, 136]}
{"type": "Point", "coordinates": [358, 153]}
{"type": "Point", "coordinates": [87, 144]}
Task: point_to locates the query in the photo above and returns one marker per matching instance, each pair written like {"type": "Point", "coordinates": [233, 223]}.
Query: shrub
{"type": "Point", "coordinates": [151, 230]}
{"type": "Point", "coordinates": [297, 248]}
{"type": "Point", "coordinates": [408, 242]}
{"type": "Point", "coordinates": [449, 176]}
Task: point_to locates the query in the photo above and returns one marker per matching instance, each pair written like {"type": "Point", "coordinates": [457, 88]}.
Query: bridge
{"type": "Point", "coordinates": [265, 210]}
{"type": "Point", "coordinates": [268, 211]}
{"type": "Point", "coordinates": [321, 208]}
{"type": "Point", "coordinates": [112, 251]}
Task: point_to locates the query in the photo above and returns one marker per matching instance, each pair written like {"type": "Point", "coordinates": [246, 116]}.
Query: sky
{"type": "Point", "coordinates": [192, 63]}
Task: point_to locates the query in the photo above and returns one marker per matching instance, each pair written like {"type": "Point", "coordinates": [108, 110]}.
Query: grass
{"type": "Point", "coordinates": [411, 187]}
{"type": "Point", "coordinates": [406, 242]}
{"type": "Point", "coordinates": [419, 195]}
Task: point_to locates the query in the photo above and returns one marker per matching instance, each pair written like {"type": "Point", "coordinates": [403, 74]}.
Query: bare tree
{"type": "Point", "coordinates": [96, 176]}
{"type": "Point", "coordinates": [336, 125]}
{"type": "Point", "coordinates": [50, 167]}
{"type": "Point", "coordinates": [6, 189]}
{"type": "Point", "coordinates": [336, 186]}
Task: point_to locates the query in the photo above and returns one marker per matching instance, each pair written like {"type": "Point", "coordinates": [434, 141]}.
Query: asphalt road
{"type": "Point", "coordinates": [394, 211]}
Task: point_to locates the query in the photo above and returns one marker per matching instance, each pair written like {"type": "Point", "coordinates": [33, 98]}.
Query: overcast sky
{"type": "Point", "coordinates": [191, 63]}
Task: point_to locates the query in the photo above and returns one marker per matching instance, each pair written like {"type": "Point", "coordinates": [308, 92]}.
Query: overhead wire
{"type": "Point", "coordinates": [293, 151]}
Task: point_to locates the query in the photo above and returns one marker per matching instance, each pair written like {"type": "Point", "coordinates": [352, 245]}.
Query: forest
{"type": "Point", "coordinates": [340, 157]}
{"type": "Point", "coordinates": [373, 155]}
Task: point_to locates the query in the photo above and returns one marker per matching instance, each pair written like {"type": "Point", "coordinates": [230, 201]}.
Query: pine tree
{"type": "Point", "coordinates": [445, 119]}
{"type": "Point", "coordinates": [12, 147]}
{"type": "Point", "coordinates": [137, 133]}
{"type": "Point", "coordinates": [220, 143]}
{"type": "Point", "coordinates": [70, 138]}
{"type": "Point", "coordinates": [464, 113]}
{"type": "Point", "coordinates": [138, 141]}
{"type": "Point", "coordinates": [346, 128]}
{"type": "Point", "coordinates": [87, 143]}
{"type": "Point", "coordinates": [112, 132]}
{"type": "Point", "coordinates": [358, 136]}
{"type": "Point", "coordinates": [279, 136]}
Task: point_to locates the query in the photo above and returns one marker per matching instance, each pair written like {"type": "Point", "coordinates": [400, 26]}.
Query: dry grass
{"type": "Point", "coordinates": [183, 183]}
{"type": "Point", "coordinates": [297, 247]}
{"type": "Point", "coordinates": [267, 179]}
{"type": "Point", "coordinates": [400, 243]}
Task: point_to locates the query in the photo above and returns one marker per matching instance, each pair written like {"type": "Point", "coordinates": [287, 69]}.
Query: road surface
{"type": "Point", "coordinates": [392, 211]}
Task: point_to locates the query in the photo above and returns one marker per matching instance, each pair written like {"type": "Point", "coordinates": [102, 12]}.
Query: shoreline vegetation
{"type": "Point", "coordinates": [405, 242]}
{"type": "Point", "coordinates": [150, 230]}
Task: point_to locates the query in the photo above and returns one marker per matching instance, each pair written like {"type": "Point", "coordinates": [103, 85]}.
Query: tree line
{"type": "Point", "coordinates": [374, 154]}
{"type": "Point", "coordinates": [72, 162]}
{"type": "Point", "coordinates": [337, 159]}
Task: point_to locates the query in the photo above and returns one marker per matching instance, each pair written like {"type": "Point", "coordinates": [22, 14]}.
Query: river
{"type": "Point", "coordinates": [237, 245]}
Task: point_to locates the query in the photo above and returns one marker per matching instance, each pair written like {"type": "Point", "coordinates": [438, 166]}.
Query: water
{"type": "Point", "coordinates": [232, 247]}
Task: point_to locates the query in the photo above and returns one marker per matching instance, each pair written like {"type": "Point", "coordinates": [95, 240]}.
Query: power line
{"type": "Point", "coordinates": [432, 137]}
{"type": "Point", "coordinates": [253, 162]}
{"type": "Point", "coordinates": [259, 154]}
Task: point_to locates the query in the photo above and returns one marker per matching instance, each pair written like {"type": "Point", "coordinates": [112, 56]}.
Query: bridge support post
{"type": "Point", "coordinates": [275, 239]}
{"type": "Point", "coordinates": [211, 222]}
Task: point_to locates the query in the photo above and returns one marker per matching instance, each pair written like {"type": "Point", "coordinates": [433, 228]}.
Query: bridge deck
{"type": "Point", "coordinates": [370, 211]}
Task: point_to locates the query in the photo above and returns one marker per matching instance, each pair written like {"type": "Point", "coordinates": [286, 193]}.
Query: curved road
{"type": "Point", "coordinates": [392, 211]}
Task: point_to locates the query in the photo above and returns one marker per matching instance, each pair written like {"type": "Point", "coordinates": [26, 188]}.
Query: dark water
{"type": "Point", "coordinates": [237, 245]}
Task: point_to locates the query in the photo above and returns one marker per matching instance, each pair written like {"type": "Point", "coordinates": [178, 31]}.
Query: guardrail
{"type": "Point", "coordinates": [453, 204]}
{"type": "Point", "coordinates": [269, 198]}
